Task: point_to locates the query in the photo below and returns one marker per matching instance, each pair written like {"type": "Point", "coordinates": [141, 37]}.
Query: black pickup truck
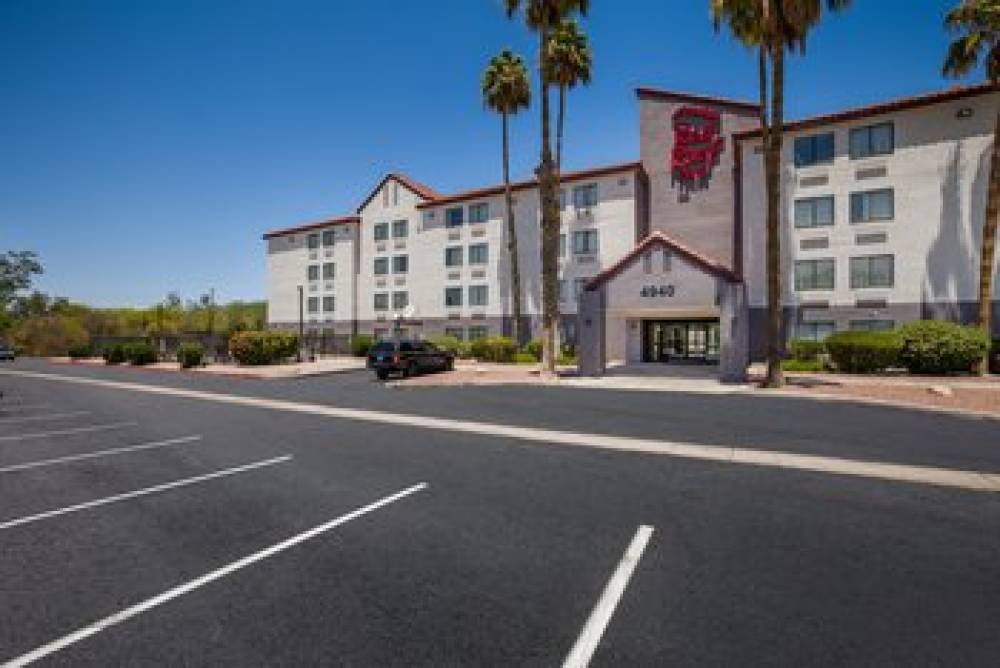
{"type": "Point", "coordinates": [408, 357]}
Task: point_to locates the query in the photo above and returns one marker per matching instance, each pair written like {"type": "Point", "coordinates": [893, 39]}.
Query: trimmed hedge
{"type": "Point", "coordinates": [534, 348]}
{"type": "Point", "coordinates": [79, 352]}
{"type": "Point", "coordinates": [935, 347]}
{"type": "Point", "coordinates": [524, 358]}
{"type": "Point", "coordinates": [361, 344]}
{"type": "Point", "coordinates": [864, 352]}
{"type": "Point", "coordinates": [494, 349]}
{"type": "Point", "coordinates": [259, 348]}
{"type": "Point", "coordinates": [114, 354]}
{"type": "Point", "coordinates": [806, 350]}
{"type": "Point", "coordinates": [190, 355]}
{"type": "Point", "coordinates": [140, 353]}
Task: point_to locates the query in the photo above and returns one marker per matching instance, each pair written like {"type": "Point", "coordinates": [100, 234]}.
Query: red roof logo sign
{"type": "Point", "coordinates": [698, 144]}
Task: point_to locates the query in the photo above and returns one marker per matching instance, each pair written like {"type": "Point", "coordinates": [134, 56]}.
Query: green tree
{"type": "Point", "coordinates": [976, 27]}
{"type": "Point", "coordinates": [570, 63]}
{"type": "Point", "coordinates": [506, 90]}
{"type": "Point", "coordinates": [543, 17]}
{"type": "Point", "coordinates": [773, 28]}
{"type": "Point", "coordinates": [17, 268]}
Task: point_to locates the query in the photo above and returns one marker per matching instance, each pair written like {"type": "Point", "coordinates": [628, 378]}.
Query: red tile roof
{"type": "Point", "coordinates": [522, 185]}
{"type": "Point", "coordinates": [902, 104]}
{"type": "Point", "coordinates": [659, 93]}
{"type": "Point", "coordinates": [660, 239]}
{"type": "Point", "coordinates": [416, 187]}
{"type": "Point", "coordinates": [308, 227]}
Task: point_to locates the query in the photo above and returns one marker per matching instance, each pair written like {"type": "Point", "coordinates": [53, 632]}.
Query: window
{"type": "Point", "coordinates": [479, 213]}
{"type": "Point", "coordinates": [454, 217]}
{"type": "Point", "coordinates": [381, 266]}
{"type": "Point", "coordinates": [385, 196]}
{"type": "Point", "coordinates": [455, 332]}
{"type": "Point", "coordinates": [381, 301]}
{"type": "Point", "coordinates": [873, 140]}
{"type": "Point", "coordinates": [328, 304]}
{"type": "Point", "coordinates": [478, 332]}
{"type": "Point", "coordinates": [400, 229]}
{"type": "Point", "coordinates": [584, 242]}
{"type": "Point", "coordinates": [585, 197]}
{"type": "Point", "coordinates": [478, 295]}
{"type": "Point", "coordinates": [578, 286]}
{"type": "Point", "coordinates": [400, 264]}
{"type": "Point", "coordinates": [380, 333]}
{"type": "Point", "coordinates": [815, 331]}
{"type": "Point", "coordinates": [647, 263]}
{"type": "Point", "coordinates": [453, 296]}
{"type": "Point", "coordinates": [453, 256]}
{"type": "Point", "coordinates": [814, 150]}
{"type": "Point", "coordinates": [562, 291]}
{"type": "Point", "coordinates": [479, 253]}
{"type": "Point", "coordinates": [872, 325]}
{"type": "Point", "coordinates": [313, 305]}
{"type": "Point", "coordinates": [329, 237]}
{"type": "Point", "coordinates": [667, 261]}
{"type": "Point", "coordinates": [329, 271]}
{"type": "Point", "coordinates": [381, 231]}
{"type": "Point", "coordinates": [814, 212]}
{"type": "Point", "coordinates": [814, 274]}
{"type": "Point", "coordinates": [562, 245]}
{"type": "Point", "coordinates": [873, 271]}
{"type": "Point", "coordinates": [312, 272]}
{"type": "Point", "coordinates": [313, 241]}
{"type": "Point", "coordinates": [562, 198]}
{"type": "Point", "coordinates": [395, 194]}
{"type": "Point", "coordinates": [873, 205]}
{"type": "Point", "coordinates": [400, 300]}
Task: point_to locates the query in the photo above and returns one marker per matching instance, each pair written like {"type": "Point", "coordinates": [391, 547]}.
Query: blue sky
{"type": "Point", "coordinates": [145, 145]}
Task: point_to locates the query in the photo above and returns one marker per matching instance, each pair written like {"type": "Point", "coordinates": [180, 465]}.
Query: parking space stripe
{"type": "Point", "coordinates": [974, 481]}
{"type": "Point", "coordinates": [590, 636]}
{"type": "Point", "coordinates": [66, 432]}
{"type": "Point", "coordinates": [100, 453]}
{"type": "Point", "coordinates": [5, 407]}
{"type": "Point", "coordinates": [160, 599]}
{"type": "Point", "coordinates": [46, 416]}
{"type": "Point", "coordinates": [9, 524]}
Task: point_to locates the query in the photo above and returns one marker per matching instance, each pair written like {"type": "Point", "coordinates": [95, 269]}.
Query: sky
{"type": "Point", "coordinates": [145, 145]}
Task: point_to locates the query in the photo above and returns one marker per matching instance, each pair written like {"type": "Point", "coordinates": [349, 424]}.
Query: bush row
{"type": "Point", "coordinates": [135, 352]}
{"type": "Point", "coordinates": [190, 355]}
{"type": "Point", "coordinates": [932, 347]}
{"type": "Point", "coordinates": [267, 347]}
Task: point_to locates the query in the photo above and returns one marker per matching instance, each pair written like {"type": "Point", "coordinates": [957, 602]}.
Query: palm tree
{"type": "Point", "coordinates": [772, 27]}
{"type": "Point", "coordinates": [570, 61]}
{"type": "Point", "coordinates": [976, 26]}
{"type": "Point", "coordinates": [543, 17]}
{"type": "Point", "coordinates": [506, 90]}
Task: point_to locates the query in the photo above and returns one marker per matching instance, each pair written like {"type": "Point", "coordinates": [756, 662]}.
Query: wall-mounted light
{"type": "Point", "coordinates": [965, 112]}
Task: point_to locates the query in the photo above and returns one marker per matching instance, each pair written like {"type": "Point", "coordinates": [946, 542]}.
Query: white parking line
{"type": "Point", "coordinates": [141, 492]}
{"type": "Point", "coordinates": [5, 407]}
{"type": "Point", "coordinates": [100, 453]}
{"type": "Point", "coordinates": [46, 416]}
{"type": "Point", "coordinates": [586, 643]}
{"type": "Point", "coordinates": [66, 432]}
{"type": "Point", "coordinates": [160, 599]}
{"type": "Point", "coordinates": [975, 481]}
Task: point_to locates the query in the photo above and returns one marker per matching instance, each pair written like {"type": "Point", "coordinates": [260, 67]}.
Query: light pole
{"type": "Point", "coordinates": [298, 354]}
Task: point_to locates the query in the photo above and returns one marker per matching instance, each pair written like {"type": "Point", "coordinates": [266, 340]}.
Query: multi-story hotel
{"type": "Point", "coordinates": [663, 258]}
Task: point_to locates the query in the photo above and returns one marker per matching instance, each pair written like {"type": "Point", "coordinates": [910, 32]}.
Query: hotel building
{"type": "Point", "coordinates": [663, 258]}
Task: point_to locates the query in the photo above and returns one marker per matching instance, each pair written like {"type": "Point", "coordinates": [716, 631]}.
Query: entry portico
{"type": "Point", "coordinates": [663, 302]}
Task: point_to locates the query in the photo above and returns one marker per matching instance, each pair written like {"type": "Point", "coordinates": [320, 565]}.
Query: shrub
{"type": "Point", "coordinates": [255, 348]}
{"type": "Point", "coordinates": [44, 335]}
{"type": "Point", "coordinates": [940, 347]}
{"type": "Point", "coordinates": [79, 352]}
{"type": "Point", "coordinates": [806, 350]}
{"type": "Point", "coordinates": [448, 343]}
{"type": "Point", "coordinates": [190, 355]}
{"type": "Point", "coordinates": [566, 360]}
{"type": "Point", "coordinates": [361, 344]}
{"type": "Point", "coordinates": [534, 348]}
{"type": "Point", "coordinates": [524, 358]}
{"type": "Point", "coordinates": [864, 352]}
{"type": "Point", "coordinates": [114, 354]}
{"type": "Point", "coordinates": [139, 353]}
{"type": "Point", "coordinates": [494, 349]}
{"type": "Point", "coordinates": [805, 366]}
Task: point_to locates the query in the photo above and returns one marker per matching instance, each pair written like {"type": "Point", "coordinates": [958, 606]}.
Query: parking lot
{"type": "Point", "coordinates": [148, 528]}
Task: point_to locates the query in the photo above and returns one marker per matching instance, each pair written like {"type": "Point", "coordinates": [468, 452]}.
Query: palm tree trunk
{"type": "Point", "coordinates": [772, 154]}
{"type": "Point", "coordinates": [559, 126]}
{"type": "Point", "coordinates": [515, 272]}
{"type": "Point", "coordinates": [989, 246]}
{"type": "Point", "coordinates": [550, 223]}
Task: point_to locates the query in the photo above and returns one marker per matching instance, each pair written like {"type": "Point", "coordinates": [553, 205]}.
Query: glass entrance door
{"type": "Point", "coordinates": [680, 340]}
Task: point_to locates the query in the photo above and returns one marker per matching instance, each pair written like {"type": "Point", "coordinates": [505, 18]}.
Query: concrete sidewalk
{"type": "Point", "coordinates": [320, 367]}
